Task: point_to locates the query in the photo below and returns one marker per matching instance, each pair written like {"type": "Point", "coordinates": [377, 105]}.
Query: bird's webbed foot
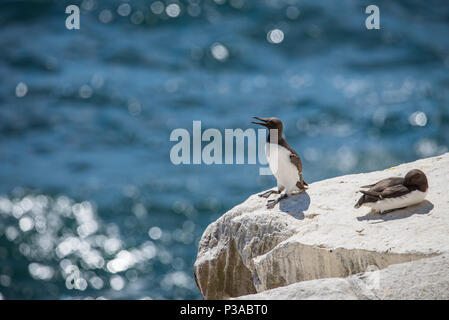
{"type": "Point", "coordinates": [268, 193]}
{"type": "Point", "coordinates": [271, 203]}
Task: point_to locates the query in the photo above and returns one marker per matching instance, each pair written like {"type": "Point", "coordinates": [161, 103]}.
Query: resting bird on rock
{"type": "Point", "coordinates": [395, 193]}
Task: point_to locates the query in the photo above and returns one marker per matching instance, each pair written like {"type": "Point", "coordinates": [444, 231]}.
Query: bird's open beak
{"type": "Point", "coordinates": [264, 123]}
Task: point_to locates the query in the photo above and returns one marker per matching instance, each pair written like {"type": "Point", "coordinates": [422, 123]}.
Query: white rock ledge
{"type": "Point", "coordinates": [319, 234]}
{"type": "Point", "coordinates": [421, 279]}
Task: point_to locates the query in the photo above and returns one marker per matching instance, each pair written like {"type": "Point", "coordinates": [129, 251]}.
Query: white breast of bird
{"type": "Point", "coordinates": [283, 169]}
{"type": "Point", "coordinates": [406, 200]}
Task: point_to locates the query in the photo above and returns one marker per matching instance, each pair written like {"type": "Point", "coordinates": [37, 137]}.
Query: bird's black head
{"type": "Point", "coordinates": [416, 178]}
{"type": "Point", "coordinates": [270, 123]}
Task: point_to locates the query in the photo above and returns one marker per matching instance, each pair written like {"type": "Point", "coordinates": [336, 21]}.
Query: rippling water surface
{"type": "Point", "coordinates": [90, 204]}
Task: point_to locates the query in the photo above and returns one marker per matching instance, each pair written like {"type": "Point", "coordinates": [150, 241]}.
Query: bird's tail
{"type": "Point", "coordinates": [301, 184]}
{"type": "Point", "coordinates": [360, 202]}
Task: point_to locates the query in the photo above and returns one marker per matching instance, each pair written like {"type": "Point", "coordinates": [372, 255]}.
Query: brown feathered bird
{"type": "Point", "coordinates": [285, 163]}
{"type": "Point", "coordinates": [395, 193]}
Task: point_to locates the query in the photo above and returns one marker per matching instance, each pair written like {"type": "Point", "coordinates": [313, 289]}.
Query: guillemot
{"type": "Point", "coordinates": [395, 193]}
{"type": "Point", "coordinates": [284, 162]}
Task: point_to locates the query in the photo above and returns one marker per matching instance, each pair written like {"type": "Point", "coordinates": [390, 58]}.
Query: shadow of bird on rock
{"type": "Point", "coordinates": [295, 205]}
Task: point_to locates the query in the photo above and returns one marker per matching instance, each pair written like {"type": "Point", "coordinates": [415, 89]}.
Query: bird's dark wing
{"type": "Point", "coordinates": [389, 192]}
{"type": "Point", "coordinates": [385, 183]}
{"type": "Point", "coordinates": [366, 197]}
{"type": "Point", "coordinates": [373, 194]}
{"type": "Point", "coordinates": [395, 191]}
{"type": "Point", "coordinates": [294, 158]}
{"type": "Point", "coordinates": [386, 188]}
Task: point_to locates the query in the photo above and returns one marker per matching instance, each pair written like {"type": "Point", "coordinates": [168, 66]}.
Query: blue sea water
{"type": "Point", "coordinates": [91, 205]}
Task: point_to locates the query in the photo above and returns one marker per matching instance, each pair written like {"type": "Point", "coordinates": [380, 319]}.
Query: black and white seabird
{"type": "Point", "coordinates": [284, 163]}
{"type": "Point", "coordinates": [395, 193]}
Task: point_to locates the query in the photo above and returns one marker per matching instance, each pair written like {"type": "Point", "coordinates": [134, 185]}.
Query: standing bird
{"type": "Point", "coordinates": [395, 193]}
{"type": "Point", "coordinates": [284, 163]}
